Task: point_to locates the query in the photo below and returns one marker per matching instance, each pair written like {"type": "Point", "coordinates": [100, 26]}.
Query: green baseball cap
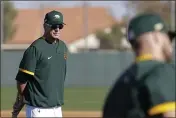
{"type": "Point", "coordinates": [147, 23]}
{"type": "Point", "coordinates": [54, 18]}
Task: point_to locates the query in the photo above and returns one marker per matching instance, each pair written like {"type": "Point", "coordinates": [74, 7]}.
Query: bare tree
{"type": "Point", "coordinates": [113, 39]}
{"type": "Point", "coordinates": [160, 7]}
{"type": "Point", "coordinates": [9, 15]}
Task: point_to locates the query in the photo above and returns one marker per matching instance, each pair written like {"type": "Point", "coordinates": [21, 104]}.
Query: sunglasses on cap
{"type": "Point", "coordinates": [60, 26]}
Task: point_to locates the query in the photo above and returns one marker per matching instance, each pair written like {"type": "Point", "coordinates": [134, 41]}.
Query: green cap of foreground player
{"type": "Point", "coordinates": [54, 18]}
{"type": "Point", "coordinates": [147, 23]}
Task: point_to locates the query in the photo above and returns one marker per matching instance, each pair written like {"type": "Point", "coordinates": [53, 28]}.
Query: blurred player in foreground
{"type": "Point", "coordinates": [42, 72]}
{"type": "Point", "coordinates": [147, 88]}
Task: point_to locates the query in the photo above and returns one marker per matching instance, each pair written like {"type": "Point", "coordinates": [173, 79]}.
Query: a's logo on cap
{"type": "Point", "coordinates": [158, 26]}
{"type": "Point", "coordinates": [56, 16]}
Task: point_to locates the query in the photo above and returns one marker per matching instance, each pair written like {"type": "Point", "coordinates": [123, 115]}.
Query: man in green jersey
{"type": "Point", "coordinates": [42, 71]}
{"type": "Point", "coordinates": [147, 88]}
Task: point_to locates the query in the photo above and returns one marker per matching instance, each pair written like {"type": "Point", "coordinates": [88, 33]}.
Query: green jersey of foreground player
{"type": "Point", "coordinates": [147, 88]}
{"type": "Point", "coordinates": [42, 72]}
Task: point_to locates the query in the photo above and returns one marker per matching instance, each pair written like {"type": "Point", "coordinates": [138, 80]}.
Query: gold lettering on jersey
{"type": "Point", "coordinates": [65, 56]}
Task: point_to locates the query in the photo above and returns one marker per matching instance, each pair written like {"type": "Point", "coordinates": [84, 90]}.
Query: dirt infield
{"type": "Point", "coordinates": [80, 114]}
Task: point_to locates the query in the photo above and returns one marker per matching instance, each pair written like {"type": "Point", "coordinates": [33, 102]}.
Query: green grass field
{"type": "Point", "coordinates": [90, 98]}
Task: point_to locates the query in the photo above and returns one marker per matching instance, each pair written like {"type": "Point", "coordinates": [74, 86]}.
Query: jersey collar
{"type": "Point", "coordinates": [144, 57]}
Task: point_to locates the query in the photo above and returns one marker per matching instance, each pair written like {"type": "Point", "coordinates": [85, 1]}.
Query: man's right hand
{"type": "Point", "coordinates": [18, 105]}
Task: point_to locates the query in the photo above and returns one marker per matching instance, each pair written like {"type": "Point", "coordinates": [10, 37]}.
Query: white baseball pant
{"type": "Point", "coordinates": [32, 112]}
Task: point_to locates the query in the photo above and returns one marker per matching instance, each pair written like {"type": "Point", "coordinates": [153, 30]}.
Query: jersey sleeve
{"type": "Point", "coordinates": [161, 85]}
{"type": "Point", "coordinates": [29, 61]}
{"type": "Point", "coordinates": [118, 101]}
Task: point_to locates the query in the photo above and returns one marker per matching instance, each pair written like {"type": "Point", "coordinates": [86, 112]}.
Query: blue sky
{"type": "Point", "coordinates": [117, 7]}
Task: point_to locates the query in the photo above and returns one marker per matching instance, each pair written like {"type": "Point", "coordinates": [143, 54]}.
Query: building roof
{"type": "Point", "coordinates": [29, 23]}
